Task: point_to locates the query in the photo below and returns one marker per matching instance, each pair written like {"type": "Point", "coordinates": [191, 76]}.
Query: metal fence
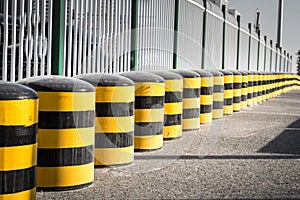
{"type": "Point", "coordinates": [111, 36]}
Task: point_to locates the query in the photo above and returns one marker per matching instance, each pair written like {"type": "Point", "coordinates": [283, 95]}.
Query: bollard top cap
{"type": "Point", "coordinates": [215, 73]}
{"type": "Point", "coordinates": [167, 75]}
{"type": "Point", "coordinates": [226, 72]}
{"type": "Point", "coordinates": [235, 72]}
{"type": "Point", "coordinates": [186, 73]}
{"type": "Point", "coordinates": [143, 77]}
{"type": "Point", "coordinates": [106, 80]}
{"type": "Point", "coordinates": [14, 91]}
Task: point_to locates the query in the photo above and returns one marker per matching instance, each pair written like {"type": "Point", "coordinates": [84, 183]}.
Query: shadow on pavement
{"type": "Point", "coordinates": [288, 142]}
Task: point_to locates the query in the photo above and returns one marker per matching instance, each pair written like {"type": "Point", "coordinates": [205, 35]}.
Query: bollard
{"type": "Point", "coordinates": [244, 92]}
{"type": "Point", "coordinates": [18, 141]}
{"type": "Point", "coordinates": [273, 85]}
{"type": "Point", "coordinates": [228, 92]}
{"type": "Point", "coordinates": [149, 110]}
{"type": "Point", "coordinates": [250, 89]}
{"type": "Point", "coordinates": [65, 132]}
{"type": "Point", "coordinates": [191, 99]}
{"type": "Point", "coordinates": [268, 85]}
{"type": "Point", "coordinates": [264, 87]}
{"type": "Point", "coordinates": [114, 123]}
{"type": "Point", "coordinates": [206, 96]}
{"type": "Point", "coordinates": [173, 104]}
{"type": "Point", "coordinates": [259, 88]}
{"type": "Point", "coordinates": [255, 87]}
{"type": "Point", "coordinates": [218, 95]}
{"type": "Point", "coordinates": [237, 90]}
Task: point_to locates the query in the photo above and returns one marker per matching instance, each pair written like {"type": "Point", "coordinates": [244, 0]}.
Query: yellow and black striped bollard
{"type": "Point", "coordinates": [264, 86]}
{"type": "Point", "coordinates": [259, 88]}
{"type": "Point", "coordinates": [273, 85]}
{"type": "Point", "coordinates": [218, 95]}
{"type": "Point", "coordinates": [206, 96]}
{"type": "Point", "coordinates": [255, 87]}
{"type": "Point", "coordinates": [237, 90]}
{"type": "Point", "coordinates": [228, 92]}
{"type": "Point", "coordinates": [250, 89]}
{"type": "Point", "coordinates": [244, 93]}
{"type": "Point", "coordinates": [191, 99]}
{"type": "Point", "coordinates": [65, 132]}
{"type": "Point", "coordinates": [173, 104]}
{"type": "Point", "coordinates": [114, 123]}
{"type": "Point", "coordinates": [149, 110]}
{"type": "Point", "coordinates": [18, 141]}
{"type": "Point", "coordinates": [268, 85]}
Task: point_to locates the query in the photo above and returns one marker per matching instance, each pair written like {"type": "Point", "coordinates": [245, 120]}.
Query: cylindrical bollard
{"type": "Point", "coordinates": [273, 85]}
{"type": "Point", "coordinates": [218, 95]}
{"type": "Point", "coordinates": [191, 99]}
{"type": "Point", "coordinates": [259, 88]}
{"type": "Point", "coordinates": [65, 132]}
{"type": "Point", "coordinates": [237, 90]}
{"type": "Point", "coordinates": [149, 110]}
{"type": "Point", "coordinates": [228, 92]}
{"type": "Point", "coordinates": [114, 123]}
{"type": "Point", "coordinates": [264, 87]}
{"type": "Point", "coordinates": [277, 81]}
{"type": "Point", "coordinates": [18, 141]}
{"type": "Point", "coordinates": [244, 92]}
{"type": "Point", "coordinates": [268, 85]}
{"type": "Point", "coordinates": [250, 89]}
{"type": "Point", "coordinates": [255, 87]}
{"type": "Point", "coordinates": [173, 104]}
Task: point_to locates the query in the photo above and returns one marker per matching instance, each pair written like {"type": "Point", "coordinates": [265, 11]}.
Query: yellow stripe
{"type": "Point", "coordinates": [148, 142]}
{"type": "Point", "coordinates": [228, 79]}
{"type": "Point", "coordinates": [172, 131]}
{"type": "Point", "coordinates": [243, 104]}
{"type": "Point", "coordinates": [115, 94]}
{"type": "Point", "coordinates": [191, 103]}
{"type": "Point", "coordinates": [236, 107]}
{"type": "Point", "coordinates": [19, 112]}
{"type": "Point", "coordinates": [174, 85]}
{"type": "Point", "coordinates": [228, 110]}
{"type": "Point", "coordinates": [207, 82]}
{"type": "Point", "coordinates": [24, 195]}
{"type": "Point", "coordinates": [217, 113]}
{"type": "Point", "coordinates": [65, 176]}
{"type": "Point", "coordinates": [66, 138]}
{"type": "Point", "coordinates": [245, 79]}
{"type": "Point", "coordinates": [250, 78]}
{"type": "Point", "coordinates": [237, 79]}
{"type": "Point", "coordinates": [250, 90]}
{"type": "Point", "coordinates": [173, 108]}
{"type": "Point", "coordinates": [228, 94]}
{"type": "Point", "coordinates": [114, 156]}
{"type": "Point", "coordinates": [206, 118]}
{"type": "Point", "coordinates": [244, 91]}
{"type": "Point", "coordinates": [219, 80]}
{"type": "Point", "coordinates": [206, 99]}
{"type": "Point", "coordinates": [190, 124]}
{"type": "Point", "coordinates": [249, 102]}
{"type": "Point", "coordinates": [254, 101]}
{"type": "Point", "coordinates": [149, 89]}
{"type": "Point", "coordinates": [237, 92]}
{"type": "Point", "coordinates": [218, 96]}
{"type": "Point", "coordinates": [149, 115]}
{"type": "Point", "coordinates": [114, 124]}
{"type": "Point", "coordinates": [192, 83]}
{"type": "Point", "coordinates": [66, 101]}
{"type": "Point", "coordinates": [18, 157]}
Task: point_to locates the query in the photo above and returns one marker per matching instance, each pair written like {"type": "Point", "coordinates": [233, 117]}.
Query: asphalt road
{"type": "Point", "coordinates": [254, 154]}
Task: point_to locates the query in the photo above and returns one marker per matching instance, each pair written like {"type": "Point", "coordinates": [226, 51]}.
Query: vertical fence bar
{"type": "Point", "coordinates": [134, 34]}
{"type": "Point", "coordinates": [5, 42]}
{"type": "Point", "coordinates": [175, 49]}
{"type": "Point", "coordinates": [36, 38]}
{"type": "Point", "coordinates": [238, 42]}
{"type": "Point", "coordinates": [14, 41]}
{"type": "Point", "coordinates": [76, 39]}
{"type": "Point", "coordinates": [95, 42]}
{"type": "Point", "coordinates": [249, 53]}
{"type": "Point", "coordinates": [49, 51]}
{"type": "Point", "coordinates": [21, 40]}
{"type": "Point", "coordinates": [265, 52]}
{"type": "Point", "coordinates": [271, 55]}
{"type": "Point", "coordinates": [42, 38]}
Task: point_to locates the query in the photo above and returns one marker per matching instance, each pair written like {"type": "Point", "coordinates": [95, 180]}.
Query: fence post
{"type": "Point", "coordinates": [238, 42]}
{"type": "Point", "coordinates": [204, 33]}
{"type": "Point", "coordinates": [271, 55]}
{"type": "Point", "coordinates": [249, 53]}
{"type": "Point", "coordinates": [224, 36]}
{"type": "Point", "coordinates": [175, 49]}
{"type": "Point", "coordinates": [258, 51]}
{"type": "Point", "coordinates": [58, 37]}
{"type": "Point", "coordinates": [134, 35]}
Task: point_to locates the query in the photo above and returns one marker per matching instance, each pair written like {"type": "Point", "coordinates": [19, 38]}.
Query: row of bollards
{"type": "Point", "coordinates": [54, 130]}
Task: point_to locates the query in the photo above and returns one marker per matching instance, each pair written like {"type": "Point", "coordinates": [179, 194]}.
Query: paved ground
{"type": "Point", "coordinates": [252, 154]}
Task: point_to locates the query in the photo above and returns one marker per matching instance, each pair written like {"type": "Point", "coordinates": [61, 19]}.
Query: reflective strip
{"type": "Point", "coordinates": [192, 83]}
{"type": "Point", "coordinates": [18, 157]}
{"type": "Point", "coordinates": [115, 94]}
{"type": "Point", "coordinates": [173, 108]}
{"type": "Point", "coordinates": [149, 115]}
{"type": "Point", "coordinates": [228, 94]}
{"type": "Point", "coordinates": [28, 194]}
{"type": "Point", "coordinates": [206, 99]}
{"type": "Point", "coordinates": [191, 103]}
{"type": "Point", "coordinates": [114, 124]}
{"type": "Point", "coordinates": [228, 79]}
{"type": "Point", "coordinates": [149, 89]}
{"type": "Point", "coordinates": [228, 110]}
{"type": "Point", "coordinates": [19, 112]}
{"type": "Point", "coordinates": [65, 176]}
{"type": "Point", "coordinates": [174, 85]}
{"type": "Point", "coordinates": [66, 101]}
{"type": "Point", "coordinates": [114, 156]}
{"type": "Point", "coordinates": [65, 138]}
{"type": "Point", "coordinates": [206, 118]}
{"type": "Point", "coordinates": [190, 124]}
{"type": "Point", "coordinates": [148, 142]}
{"type": "Point", "coordinates": [237, 92]}
{"type": "Point", "coordinates": [172, 131]}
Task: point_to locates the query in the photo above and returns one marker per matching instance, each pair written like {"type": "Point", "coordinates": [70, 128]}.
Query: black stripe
{"type": "Point", "coordinates": [190, 113]}
{"type": "Point", "coordinates": [191, 93]}
{"type": "Point", "coordinates": [244, 85]}
{"type": "Point", "coordinates": [172, 120]}
{"type": "Point", "coordinates": [255, 83]}
{"type": "Point", "coordinates": [218, 105]}
{"type": "Point", "coordinates": [218, 88]}
{"type": "Point", "coordinates": [114, 109]}
{"type": "Point", "coordinates": [113, 140]}
{"type": "Point", "coordinates": [250, 84]}
{"type": "Point", "coordinates": [264, 92]}
{"type": "Point", "coordinates": [236, 99]}
{"type": "Point", "coordinates": [228, 86]}
{"type": "Point", "coordinates": [206, 90]}
{"type": "Point", "coordinates": [244, 98]}
{"type": "Point", "coordinates": [65, 156]}
{"type": "Point", "coordinates": [254, 94]}
{"type": "Point", "coordinates": [148, 128]}
{"type": "Point", "coordinates": [237, 85]}
{"type": "Point", "coordinates": [250, 96]}
{"type": "Point", "coordinates": [66, 120]}
{"type": "Point", "coordinates": [259, 94]}
{"type": "Point", "coordinates": [18, 135]}
{"type": "Point", "coordinates": [204, 109]}
{"type": "Point", "coordinates": [259, 82]}
{"type": "Point", "coordinates": [17, 180]}
{"type": "Point", "coordinates": [144, 102]}
{"type": "Point", "coordinates": [173, 97]}
{"type": "Point", "coordinates": [228, 102]}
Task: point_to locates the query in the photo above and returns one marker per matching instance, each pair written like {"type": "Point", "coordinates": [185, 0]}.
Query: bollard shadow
{"type": "Point", "coordinates": [288, 142]}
